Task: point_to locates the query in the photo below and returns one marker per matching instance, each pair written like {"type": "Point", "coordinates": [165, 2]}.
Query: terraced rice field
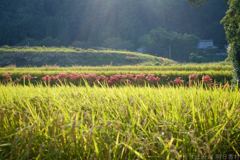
{"type": "Point", "coordinates": [41, 121]}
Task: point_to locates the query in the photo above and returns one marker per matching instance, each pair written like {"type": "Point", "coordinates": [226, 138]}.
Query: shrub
{"type": "Point", "coordinates": [6, 47]}
{"type": "Point", "coordinates": [117, 43]}
{"type": "Point", "coordinates": [195, 58]}
{"type": "Point", "coordinates": [32, 42]}
{"type": "Point", "coordinates": [48, 42]}
{"type": "Point", "coordinates": [157, 64]}
{"type": "Point", "coordinates": [82, 44]}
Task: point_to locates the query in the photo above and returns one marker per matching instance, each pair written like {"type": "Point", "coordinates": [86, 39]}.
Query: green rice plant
{"type": "Point", "coordinates": [125, 68]}
{"type": "Point", "coordinates": [69, 122]}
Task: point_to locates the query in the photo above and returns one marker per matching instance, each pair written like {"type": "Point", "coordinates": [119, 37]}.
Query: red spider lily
{"type": "Point", "coordinates": [62, 75]}
{"type": "Point", "coordinates": [54, 78]}
{"type": "Point", "coordinates": [7, 75]}
{"type": "Point", "coordinates": [6, 78]}
{"type": "Point", "coordinates": [151, 78]}
{"type": "Point", "coordinates": [73, 76]}
{"type": "Point", "coordinates": [28, 77]}
{"type": "Point", "coordinates": [106, 79]}
{"type": "Point", "coordinates": [207, 79]}
{"type": "Point", "coordinates": [156, 79]}
{"type": "Point", "coordinates": [112, 80]}
{"type": "Point", "coordinates": [90, 76]}
{"type": "Point", "coordinates": [118, 75]}
{"type": "Point", "coordinates": [130, 75]}
{"type": "Point", "coordinates": [103, 77]}
{"type": "Point", "coordinates": [135, 79]}
{"type": "Point", "coordinates": [81, 76]}
{"type": "Point", "coordinates": [47, 78]}
{"type": "Point", "coordinates": [126, 80]}
{"type": "Point", "coordinates": [123, 76]}
{"type": "Point", "coordinates": [178, 80]}
{"type": "Point", "coordinates": [195, 76]}
{"type": "Point", "coordinates": [98, 78]}
{"type": "Point", "coordinates": [140, 75]}
{"type": "Point", "coordinates": [150, 75]}
{"type": "Point", "coordinates": [16, 81]}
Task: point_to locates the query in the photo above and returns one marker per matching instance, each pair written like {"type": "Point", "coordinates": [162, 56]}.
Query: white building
{"type": "Point", "coordinates": [142, 49]}
{"type": "Point", "coordinates": [203, 44]}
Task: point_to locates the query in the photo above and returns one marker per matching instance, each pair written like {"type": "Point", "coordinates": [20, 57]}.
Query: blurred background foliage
{"type": "Point", "coordinates": [117, 24]}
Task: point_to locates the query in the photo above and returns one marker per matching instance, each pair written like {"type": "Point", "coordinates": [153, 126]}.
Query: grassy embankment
{"type": "Point", "coordinates": [39, 56]}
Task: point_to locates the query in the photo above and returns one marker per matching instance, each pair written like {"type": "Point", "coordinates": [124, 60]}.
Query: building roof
{"type": "Point", "coordinates": [203, 44]}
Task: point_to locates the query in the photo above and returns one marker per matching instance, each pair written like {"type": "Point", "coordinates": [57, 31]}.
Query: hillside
{"type": "Point", "coordinates": [39, 56]}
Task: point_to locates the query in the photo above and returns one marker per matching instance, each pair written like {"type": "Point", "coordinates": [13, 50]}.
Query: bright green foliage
{"type": "Point", "coordinates": [197, 3]}
{"type": "Point", "coordinates": [232, 26]}
{"type": "Point", "coordinates": [117, 123]}
{"type": "Point", "coordinates": [195, 58]}
{"type": "Point", "coordinates": [158, 40]}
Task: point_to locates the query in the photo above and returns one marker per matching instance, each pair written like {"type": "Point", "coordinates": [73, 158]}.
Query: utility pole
{"type": "Point", "coordinates": [170, 50]}
{"type": "Point", "coordinates": [133, 30]}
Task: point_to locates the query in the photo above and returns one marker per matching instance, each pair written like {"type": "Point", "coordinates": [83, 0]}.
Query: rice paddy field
{"type": "Point", "coordinates": [43, 121]}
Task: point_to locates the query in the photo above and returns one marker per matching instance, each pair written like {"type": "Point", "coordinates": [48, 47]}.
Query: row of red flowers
{"type": "Point", "coordinates": [139, 79]}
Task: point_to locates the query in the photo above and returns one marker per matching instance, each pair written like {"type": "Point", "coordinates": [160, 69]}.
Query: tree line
{"type": "Point", "coordinates": [87, 23]}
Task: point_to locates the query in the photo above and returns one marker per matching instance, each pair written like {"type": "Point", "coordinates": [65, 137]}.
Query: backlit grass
{"type": "Point", "coordinates": [71, 122]}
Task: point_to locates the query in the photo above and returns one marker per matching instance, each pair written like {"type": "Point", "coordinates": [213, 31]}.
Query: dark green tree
{"type": "Point", "coordinates": [158, 42]}
{"type": "Point", "coordinates": [5, 31]}
{"type": "Point", "coordinates": [197, 3]}
{"type": "Point", "coordinates": [63, 31]}
{"type": "Point", "coordinates": [103, 19]}
{"type": "Point", "coordinates": [232, 27]}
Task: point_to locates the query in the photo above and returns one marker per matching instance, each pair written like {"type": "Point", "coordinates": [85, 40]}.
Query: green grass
{"type": "Point", "coordinates": [70, 122]}
{"type": "Point", "coordinates": [73, 50]}
{"type": "Point", "coordinates": [39, 56]}
{"type": "Point", "coordinates": [187, 67]}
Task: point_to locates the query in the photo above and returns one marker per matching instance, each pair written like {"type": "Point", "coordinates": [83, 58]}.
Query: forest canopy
{"type": "Point", "coordinates": [95, 22]}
